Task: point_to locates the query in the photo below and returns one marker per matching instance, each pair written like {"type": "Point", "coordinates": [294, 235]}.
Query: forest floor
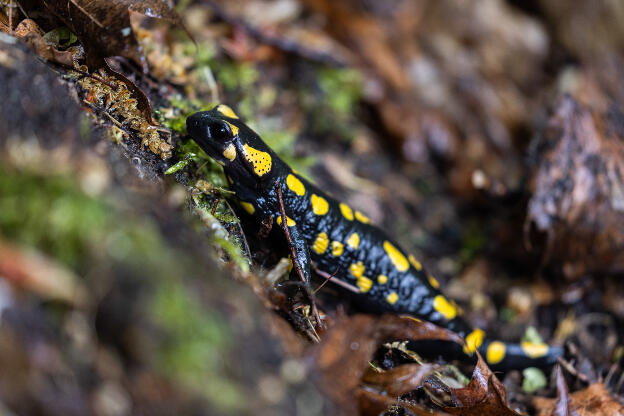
{"type": "Point", "coordinates": [487, 137]}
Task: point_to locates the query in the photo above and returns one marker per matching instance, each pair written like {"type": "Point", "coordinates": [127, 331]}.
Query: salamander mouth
{"type": "Point", "coordinates": [197, 128]}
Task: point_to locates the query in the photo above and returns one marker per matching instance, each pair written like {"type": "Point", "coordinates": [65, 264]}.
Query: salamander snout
{"type": "Point", "coordinates": [194, 124]}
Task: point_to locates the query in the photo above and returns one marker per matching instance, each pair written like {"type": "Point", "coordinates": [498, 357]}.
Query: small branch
{"type": "Point", "coordinates": [293, 254]}
{"type": "Point", "coordinates": [337, 281]}
{"type": "Point", "coordinates": [327, 279]}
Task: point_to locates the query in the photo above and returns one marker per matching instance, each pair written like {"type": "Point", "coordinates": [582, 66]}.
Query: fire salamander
{"type": "Point", "coordinates": [332, 236]}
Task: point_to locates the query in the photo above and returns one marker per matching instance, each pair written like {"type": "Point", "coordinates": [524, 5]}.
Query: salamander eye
{"type": "Point", "coordinates": [220, 131]}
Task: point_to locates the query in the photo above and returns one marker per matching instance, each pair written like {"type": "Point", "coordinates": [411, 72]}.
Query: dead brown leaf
{"type": "Point", "coordinates": [34, 272]}
{"type": "Point", "coordinates": [344, 354]}
{"type": "Point", "coordinates": [485, 395]}
{"type": "Point", "coordinates": [30, 32]}
{"type": "Point", "coordinates": [374, 404]}
{"type": "Point", "coordinates": [103, 26]}
{"type": "Point", "coordinates": [595, 400]}
{"type": "Point", "coordinates": [399, 380]}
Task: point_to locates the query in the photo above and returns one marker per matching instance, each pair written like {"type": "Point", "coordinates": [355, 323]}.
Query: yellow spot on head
{"type": "Point", "coordinates": [433, 282]}
{"type": "Point", "coordinates": [474, 340]}
{"type": "Point", "coordinates": [230, 152]}
{"type": "Point", "coordinates": [495, 352]}
{"type": "Point", "coordinates": [444, 307]}
{"type": "Point", "coordinates": [415, 262]}
{"type": "Point", "coordinates": [319, 205]}
{"type": "Point", "coordinates": [337, 248]}
{"type": "Point", "coordinates": [295, 185]}
{"type": "Point", "coordinates": [357, 269]}
{"type": "Point", "coordinates": [364, 283]}
{"type": "Point", "coordinates": [248, 207]}
{"type": "Point", "coordinates": [392, 298]}
{"type": "Point", "coordinates": [346, 210]}
{"type": "Point", "coordinates": [396, 257]}
{"type": "Point", "coordinates": [354, 241]}
{"type": "Point", "coordinates": [233, 128]}
{"type": "Point", "coordinates": [289, 221]}
{"type": "Point", "coordinates": [321, 243]}
{"type": "Point", "coordinates": [534, 349]}
{"type": "Point", "coordinates": [382, 279]}
{"type": "Point", "coordinates": [361, 217]}
{"type": "Point", "coordinates": [226, 111]}
{"type": "Point", "coordinates": [260, 160]}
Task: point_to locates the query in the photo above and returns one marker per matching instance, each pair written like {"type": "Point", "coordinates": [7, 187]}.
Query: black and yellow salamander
{"type": "Point", "coordinates": [334, 237]}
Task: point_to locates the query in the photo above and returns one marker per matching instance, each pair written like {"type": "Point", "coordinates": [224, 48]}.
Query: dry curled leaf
{"type": "Point", "coordinates": [485, 395]}
{"type": "Point", "coordinates": [103, 26]}
{"type": "Point", "coordinates": [344, 354]}
{"type": "Point", "coordinates": [30, 32]}
{"type": "Point", "coordinates": [595, 400]}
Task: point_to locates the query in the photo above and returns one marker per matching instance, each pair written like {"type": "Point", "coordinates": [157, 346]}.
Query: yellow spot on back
{"type": "Point", "coordinates": [319, 205]}
{"type": "Point", "coordinates": [226, 111]}
{"type": "Point", "coordinates": [392, 298]}
{"type": "Point", "coordinates": [321, 243]}
{"type": "Point", "coordinates": [444, 307]}
{"type": "Point", "coordinates": [433, 282]}
{"type": "Point", "coordinates": [289, 221]}
{"type": "Point", "coordinates": [357, 269]}
{"type": "Point", "coordinates": [337, 248]}
{"type": "Point", "coordinates": [230, 152]}
{"type": "Point", "coordinates": [260, 160]}
{"type": "Point", "coordinates": [474, 340]}
{"type": "Point", "coordinates": [534, 350]}
{"type": "Point", "coordinates": [354, 241]}
{"type": "Point", "coordinates": [415, 262]}
{"type": "Point", "coordinates": [248, 207]}
{"type": "Point", "coordinates": [364, 283]}
{"type": "Point", "coordinates": [495, 352]}
{"type": "Point", "coordinates": [295, 185]}
{"type": "Point", "coordinates": [361, 217]}
{"type": "Point", "coordinates": [396, 257]}
{"type": "Point", "coordinates": [346, 210]}
{"type": "Point", "coordinates": [382, 279]}
{"type": "Point", "coordinates": [233, 127]}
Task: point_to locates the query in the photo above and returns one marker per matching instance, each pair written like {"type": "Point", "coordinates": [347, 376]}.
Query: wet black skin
{"type": "Point", "coordinates": [415, 293]}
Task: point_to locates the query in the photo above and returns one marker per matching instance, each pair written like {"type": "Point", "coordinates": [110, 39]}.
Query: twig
{"type": "Point", "coordinates": [293, 254]}
{"type": "Point", "coordinates": [327, 279]}
{"type": "Point", "coordinates": [337, 281]}
{"type": "Point", "coordinates": [565, 364]}
{"type": "Point", "coordinates": [85, 12]}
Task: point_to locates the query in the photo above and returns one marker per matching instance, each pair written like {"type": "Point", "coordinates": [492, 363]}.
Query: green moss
{"type": "Point", "coordinates": [196, 345]}
{"type": "Point", "coordinates": [235, 75]}
{"type": "Point", "coordinates": [472, 242]}
{"type": "Point", "coordinates": [60, 37]}
{"type": "Point", "coordinates": [341, 88]}
{"type": "Point", "coordinates": [331, 103]}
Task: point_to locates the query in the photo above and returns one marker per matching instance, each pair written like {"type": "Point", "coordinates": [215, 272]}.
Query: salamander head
{"type": "Point", "coordinates": [230, 142]}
